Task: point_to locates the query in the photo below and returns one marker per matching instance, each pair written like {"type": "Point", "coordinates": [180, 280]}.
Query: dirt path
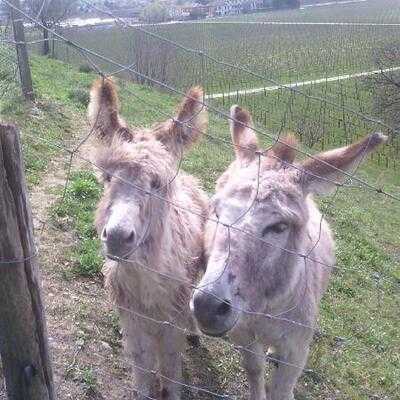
{"type": "Point", "coordinates": [79, 315]}
{"type": "Point", "coordinates": [83, 329]}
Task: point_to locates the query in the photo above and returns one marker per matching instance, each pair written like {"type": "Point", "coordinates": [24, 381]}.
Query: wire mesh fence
{"type": "Point", "coordinates": [8, 63]}
{"type": "Point", "coordinates": [324, 101]}
{"type": "Point", "coordinates": [324, 115]}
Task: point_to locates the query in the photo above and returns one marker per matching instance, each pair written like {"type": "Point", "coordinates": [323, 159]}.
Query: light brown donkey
{"type": "Point", "coordinates": [145, 236]}
{"type": "Point", "coordinates": [280, 265]}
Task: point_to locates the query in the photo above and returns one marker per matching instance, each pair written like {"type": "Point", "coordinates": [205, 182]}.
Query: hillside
{"type": "Point", "coordinates": [356, 358]}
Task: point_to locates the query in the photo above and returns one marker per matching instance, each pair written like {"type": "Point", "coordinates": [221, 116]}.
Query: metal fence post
{"type": "Point", "coordinates": [23, 333]}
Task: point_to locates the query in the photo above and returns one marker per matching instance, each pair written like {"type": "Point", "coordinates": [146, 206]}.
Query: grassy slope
{"type": "Point", "coordinates": [362, 302]}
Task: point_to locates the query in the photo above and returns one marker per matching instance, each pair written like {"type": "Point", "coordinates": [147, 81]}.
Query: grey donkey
{"type": "Point", "coordinates": [281, 265]}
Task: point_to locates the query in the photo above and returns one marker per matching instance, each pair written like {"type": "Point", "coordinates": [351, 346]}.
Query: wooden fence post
{"type": "Point", "coordinates": [22, 52]}
{"type": "Point", "coordinates": [23, 333]}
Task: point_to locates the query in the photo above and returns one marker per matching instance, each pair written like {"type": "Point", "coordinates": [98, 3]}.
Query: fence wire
{"type": "Point", "coordinates": [132, 68]}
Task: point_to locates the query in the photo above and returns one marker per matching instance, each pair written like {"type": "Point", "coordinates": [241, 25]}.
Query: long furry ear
{"type": "Point", "coordinates": [103, 111]}
{"type": "Point", "coordinates": [188, 125]}
{"type": "Point", "coordinates": [285, 149]}
{"type": "Point", "coordinates": [243, 136]}
{"type": "Point", "coordinates": [322, 173]}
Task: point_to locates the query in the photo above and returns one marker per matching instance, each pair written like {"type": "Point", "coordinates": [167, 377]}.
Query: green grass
{"type": "Point", "coordinates": [54, 119]}
{"type": "Point", "coordinates": [75, 211]}
{"type": "Point", "coordinates": [362, 302]}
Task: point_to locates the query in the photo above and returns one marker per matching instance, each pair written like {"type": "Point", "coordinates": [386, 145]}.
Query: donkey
{"type": "Point", "coordinates": [150, 220]}
{"type": "Point", "coordinates": [269, 255]}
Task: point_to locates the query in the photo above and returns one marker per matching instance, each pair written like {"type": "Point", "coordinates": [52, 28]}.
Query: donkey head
{"type": "Point", "coordinates": [261, 205]}
{"type": "Point", "coordinates": [138, 168]}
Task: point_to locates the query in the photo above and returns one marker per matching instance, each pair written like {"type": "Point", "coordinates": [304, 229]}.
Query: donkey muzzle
{"type": "Point", "coordinates": [214, 314]}
{"type": "Point", "coordinates": [118, 241]}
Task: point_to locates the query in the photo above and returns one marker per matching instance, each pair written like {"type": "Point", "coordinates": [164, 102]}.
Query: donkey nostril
{"type": "Point", "coordinates": [104, 234]}
{"type": "Point", "coordinates": [131, 237]}
{"type": "Point", "coordinates": [224, 308]}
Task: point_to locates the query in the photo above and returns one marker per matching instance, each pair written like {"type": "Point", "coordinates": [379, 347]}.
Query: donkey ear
{"type": "Point", "coordinates": [285, 149]}
{"type": "Point", "coordinates": [322, 173]}
{"type": "Point", "coordinates": [103, 111]}
{"type": "Point", "coordinates": [188, 125]}
{"type": "Point", "coordinates": [243, 136]}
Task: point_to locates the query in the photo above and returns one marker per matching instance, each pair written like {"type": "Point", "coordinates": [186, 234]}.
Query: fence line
{"type": "Point", "coordinates": [233, 66]}
{"type": "Point", "coordinates": [74, 153]}
{"type": "Point", "coordinates": [89, 53]}
{"type": "Point", "coordinates": [378, 190]}
{"type": "Point", "coordinates": [189, 332]}
{"type": "Point", "coordinates": [167, 276]}
{"type": "Point", "coordinates": [277, 140]}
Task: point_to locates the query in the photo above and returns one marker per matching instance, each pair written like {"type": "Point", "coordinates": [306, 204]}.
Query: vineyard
{"type": "Point", "coordinates": [274, 52]}
{"type": "Point", "coordinates": [357, 11]}
{"type": "Point", "coordinates": [267, 54]}
{"type": "Point", "coordinates": [316, 80]}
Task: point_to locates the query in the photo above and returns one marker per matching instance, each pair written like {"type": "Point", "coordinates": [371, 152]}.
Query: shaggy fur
{"type": "Point", "coordinates": [273, 202]}
{"type": "Point", "coordinates": [145, 236]}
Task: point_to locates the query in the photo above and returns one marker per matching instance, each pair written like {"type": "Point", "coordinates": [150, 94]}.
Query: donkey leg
{"type": "Point", "coordinates": [139, 346]}
{"type": "Point", "coordinates": [254, 365]}
{"type": "Point", "coordinates": [170, 356]}
{"type": "Point", "coordinates": [292, 359]}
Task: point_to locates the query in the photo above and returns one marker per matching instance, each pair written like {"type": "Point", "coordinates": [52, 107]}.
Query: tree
{"type": "Point", "coordinates": [50, 13]}
{"type": "Point", "coordinates": [155, 12]}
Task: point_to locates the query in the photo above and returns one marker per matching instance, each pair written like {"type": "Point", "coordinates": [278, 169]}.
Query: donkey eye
{"type": "Point", "coordinates": [277, 228]}
{"type": "Point", "coordinates": [156, 183]}
{"type": "Point", "coordinates": [107, 178]}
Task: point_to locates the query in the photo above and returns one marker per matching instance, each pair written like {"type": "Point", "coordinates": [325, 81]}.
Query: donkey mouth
{"type": "Point", "coordinates": [218, 332]}
{"type": "Point", "coordinates": [215, 334]}
{"type": "Point", "coordinates": [123, 256]}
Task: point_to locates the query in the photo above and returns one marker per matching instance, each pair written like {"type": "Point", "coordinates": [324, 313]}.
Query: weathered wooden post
{"type": "Point", "coordinates": [23, 334]}
{"type": "Point", "coordinates": [22, 52]}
